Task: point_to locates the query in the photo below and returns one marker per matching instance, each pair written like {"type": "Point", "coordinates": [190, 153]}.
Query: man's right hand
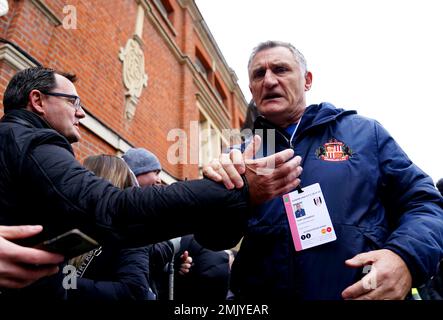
{"type": "Point", "coordinates": [267, 177]}
{"type": "Point", "coordinates": [21, 266]}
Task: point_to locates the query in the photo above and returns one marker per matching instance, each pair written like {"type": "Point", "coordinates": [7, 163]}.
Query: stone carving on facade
{"type": "Point", "coordinates": [134, 76]}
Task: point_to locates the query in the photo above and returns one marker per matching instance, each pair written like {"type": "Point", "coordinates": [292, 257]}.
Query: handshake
{"type": "Point", "coordinates": [267, 177]}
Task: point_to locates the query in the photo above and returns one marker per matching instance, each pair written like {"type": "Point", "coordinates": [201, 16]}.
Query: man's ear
{"type": "Point", "coordinates": [308, 80]}
{"type": "Point", "coordinates": [35, 103]}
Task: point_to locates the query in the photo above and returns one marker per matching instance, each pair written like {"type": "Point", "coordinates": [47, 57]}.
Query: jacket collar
{"type": "Point", "coordinates": [26, 118]}
{"type": "Point", "coordinates": [318, 114]}
{"type": "Point", "coordinates": [314, 115]}
{"type": "Point", "coordinates": [33, 121]}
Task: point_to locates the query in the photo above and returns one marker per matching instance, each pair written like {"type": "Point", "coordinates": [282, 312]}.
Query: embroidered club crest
{"type": "Point", "coordinates": [334, 150]}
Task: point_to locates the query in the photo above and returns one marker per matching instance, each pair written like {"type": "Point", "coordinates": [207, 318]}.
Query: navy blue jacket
{"type": "Point", "coordinates": [115, 275]}
{"type": "Point", "coordinates": [208, 278]}
{"type": "Point", "coordinates": [376, 196]}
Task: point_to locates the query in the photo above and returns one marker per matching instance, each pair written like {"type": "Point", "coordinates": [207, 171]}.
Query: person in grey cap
{"type": "Point", "coordinates": [212, 266]}
{"type": "Point", "coordinates": [145, 166]}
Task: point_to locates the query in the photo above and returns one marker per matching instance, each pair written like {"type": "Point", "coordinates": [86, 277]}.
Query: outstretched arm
{"type": "Point", "coordinates": [73, 197]}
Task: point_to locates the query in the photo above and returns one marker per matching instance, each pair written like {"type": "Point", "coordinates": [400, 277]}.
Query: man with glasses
{"type": "Point", "coordinates": [42, 183]}
{"type": "Point", "coordinates": [75, 100]}
{"type": "Point", "coordinates": [59, 106]}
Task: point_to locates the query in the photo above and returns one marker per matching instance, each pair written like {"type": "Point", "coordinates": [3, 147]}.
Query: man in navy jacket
{"type": "Point", "coordinates": [300, 212]}
{"type": "Point", "coordinates": [385, 211]}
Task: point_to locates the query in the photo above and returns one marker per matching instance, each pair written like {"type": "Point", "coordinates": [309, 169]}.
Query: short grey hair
{"type": "Point", "coordinates": [274, 44]}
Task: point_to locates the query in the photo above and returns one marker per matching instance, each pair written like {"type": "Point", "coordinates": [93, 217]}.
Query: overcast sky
{"type": "Point", "coordinates": [383, 58]}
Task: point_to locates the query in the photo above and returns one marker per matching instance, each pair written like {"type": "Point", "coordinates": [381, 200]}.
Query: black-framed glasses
{"type": "Point", "coordinates": [75, 100]}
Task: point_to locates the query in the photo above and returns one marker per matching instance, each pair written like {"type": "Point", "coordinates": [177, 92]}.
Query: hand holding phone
{"type": "Point", "coordinates": [69, 244]}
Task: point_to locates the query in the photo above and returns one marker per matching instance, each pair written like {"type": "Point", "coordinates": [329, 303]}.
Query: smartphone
{"type": "Point", "coordinates": [69, 244]}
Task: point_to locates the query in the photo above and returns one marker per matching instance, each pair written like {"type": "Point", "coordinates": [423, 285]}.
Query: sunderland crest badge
{"type": "Point", "coordinates": [334, 150]}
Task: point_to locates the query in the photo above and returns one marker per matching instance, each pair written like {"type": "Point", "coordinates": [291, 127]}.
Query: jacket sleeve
{"type": "Point", "coordinates": [414, 209]}
{"type": "Point", "coordinates": [208, 277]}
{"type": "Point", "coordinates": [71, 196]}
{"type": "Point", "coordinates": [160, 254]}
{"type": "Point", "coordinates": [129, 280]}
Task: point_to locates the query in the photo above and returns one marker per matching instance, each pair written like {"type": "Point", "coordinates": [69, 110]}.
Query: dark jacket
{"type": "Point", "coordinates": [208, 278]}
{"type": "Point", "coordinates": [433, 288]}
{"type": "Point", "coordinates": [42, 183]}
{"type": "Point", "coordinates": [377, 198]}
{"type": "Point", "coordinates": [160, 255]}
{"type": "Point", "coordinates": [115, 275]}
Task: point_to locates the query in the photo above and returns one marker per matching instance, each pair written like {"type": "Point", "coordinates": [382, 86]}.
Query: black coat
{"type": "Point", "coordinates": [160, 255]}
{"type": "Point", "coordinates": [41, 182]}
{"type": "Point", "coordinates": [208, 278]}
{"type": "Point", "coordinates": [115, 275]}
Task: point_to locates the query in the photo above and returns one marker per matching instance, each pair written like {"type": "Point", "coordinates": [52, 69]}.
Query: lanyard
{"type": "Point", "coordinates": [299, 189]}
{"type": "Point", "coordinates": [295, 130]}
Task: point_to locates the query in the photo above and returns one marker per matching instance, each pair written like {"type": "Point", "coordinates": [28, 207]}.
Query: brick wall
{"type": "Point", "coordinates": [90, 144]}
{"type": "Point", "coordinates": [5, 75]}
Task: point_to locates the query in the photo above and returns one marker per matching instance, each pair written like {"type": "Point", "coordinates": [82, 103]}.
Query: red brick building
{"type": "Point", "coordinates": [145, 67]}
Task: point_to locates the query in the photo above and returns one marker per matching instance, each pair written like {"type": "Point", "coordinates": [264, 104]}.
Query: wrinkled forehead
{"type": "Point", "coordinates": [272, 56]}
{"type": "Point", "coordinates": [64, 85]}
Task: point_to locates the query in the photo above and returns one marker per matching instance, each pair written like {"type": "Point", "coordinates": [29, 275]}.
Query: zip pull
{"type": "Point", "coordinates": [97, 252]}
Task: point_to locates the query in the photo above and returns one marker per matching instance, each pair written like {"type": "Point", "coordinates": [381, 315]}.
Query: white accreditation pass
{"type": "Point", "coordinates": [308, 217]}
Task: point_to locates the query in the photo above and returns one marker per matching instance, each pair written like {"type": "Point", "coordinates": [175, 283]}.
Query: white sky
{"type": "Point", "coordinates": [383, 58]}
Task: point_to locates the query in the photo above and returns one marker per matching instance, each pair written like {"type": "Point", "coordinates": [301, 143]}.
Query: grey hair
{"type": "Point", "coordinates": [273, 44]}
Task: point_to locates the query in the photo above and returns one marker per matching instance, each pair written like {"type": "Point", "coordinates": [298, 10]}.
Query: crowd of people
{"type": "Point", "coordinates": [386, 212]}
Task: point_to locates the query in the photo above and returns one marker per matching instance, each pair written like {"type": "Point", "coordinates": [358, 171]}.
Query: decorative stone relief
{"type": "Point", "coordinates": [134, 76]}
